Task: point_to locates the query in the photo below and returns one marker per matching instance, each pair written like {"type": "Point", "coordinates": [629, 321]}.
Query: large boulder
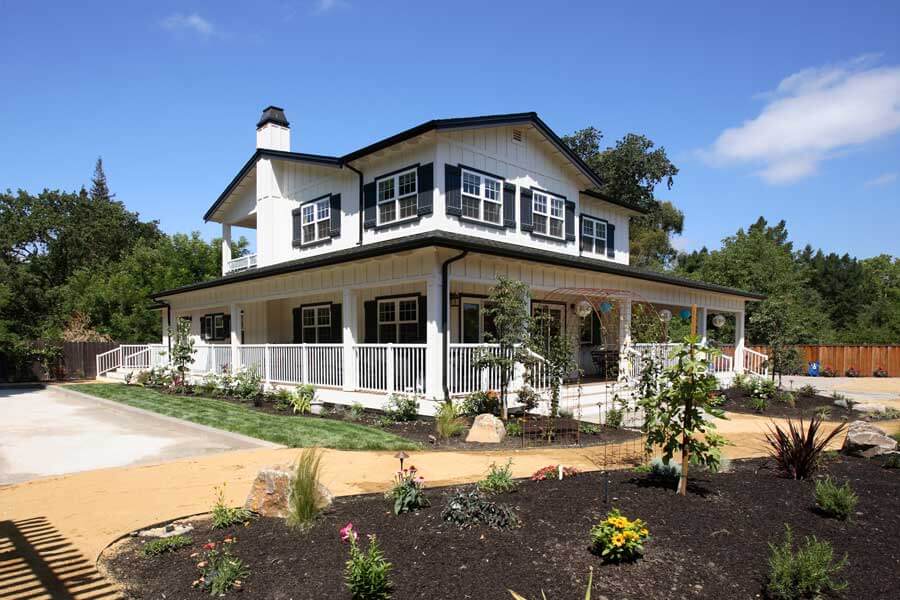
{"type": "Point", "coordinates": [270, 492]}
{"type": "Point", "coordinates": [486, 429]}
{"type": "Point", "coordinates": [867, 440]}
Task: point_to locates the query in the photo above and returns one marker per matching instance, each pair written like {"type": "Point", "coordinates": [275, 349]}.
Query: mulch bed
{"type": "Point", "coordinates": [804, 406]}
{"type": "Point", "coordinates": [711, 544]}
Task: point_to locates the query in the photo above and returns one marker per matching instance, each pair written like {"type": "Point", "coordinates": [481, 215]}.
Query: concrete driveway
{"type": "Point", "coordinates": [53, 432]}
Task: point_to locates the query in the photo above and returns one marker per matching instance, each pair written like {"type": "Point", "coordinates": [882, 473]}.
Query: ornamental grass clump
{"type": "Point", "coordinates": [164, 545]}
{"type": "Point", "coordinates": [619, 539]}
{"type": "Point", "coordinates": [366, 573]}
{"type": "Point", "coordinates": [833, 500]}
{"type": "Point", "coordinates": [408, 493]}
{"type": "Point", "coordinates": [807, 572]}
{"type": "Point", "coordinates": [225, 516]}
{"type": "Point", "coordinates": [305, 498]}
{"type": "Point", "coordinates": [447, 421]}
{"type": "Point", "coordinates": [498, 479]}
{"type": "Point", "coordinates": [797, 450]}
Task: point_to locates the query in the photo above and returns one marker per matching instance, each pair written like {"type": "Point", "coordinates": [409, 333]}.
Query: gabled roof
{"type": "Point", "coordinates": [457, 241]}
{"type": "Point", "coordinates": [525, 118]}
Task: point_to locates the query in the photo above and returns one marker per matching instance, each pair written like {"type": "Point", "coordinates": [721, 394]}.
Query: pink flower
{"type": "Point", "coordinates": [347, 533]}
{"type": "Point", "coordinates": [209, 546]}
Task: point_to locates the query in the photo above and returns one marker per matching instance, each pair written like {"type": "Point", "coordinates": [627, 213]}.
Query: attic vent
{"type": "Point", "coordinates": [517, 135]}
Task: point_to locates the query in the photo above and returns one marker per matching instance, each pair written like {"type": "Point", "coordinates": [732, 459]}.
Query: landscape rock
{"type": "Point", "coordinates": [165, 531]}
{"type": "Point", "coordinates": [486, 429]}
{"type": "Point", "coordinates": [866, 440]}
{"type": "Point", "coordinates": [863, 407]}
{"type": "Point", "coordinates": [270, 492]}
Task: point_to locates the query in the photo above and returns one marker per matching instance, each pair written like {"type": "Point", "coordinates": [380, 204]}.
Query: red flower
{"type": "Point", "coordinates": [209, 546]}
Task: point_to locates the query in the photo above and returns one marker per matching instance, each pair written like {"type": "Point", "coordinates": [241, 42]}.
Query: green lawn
{"type": "Point", "coordinates": [293, 431]}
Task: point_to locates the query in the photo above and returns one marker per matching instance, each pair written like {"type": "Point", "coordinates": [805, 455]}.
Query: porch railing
{"type": "Point", "coordinates": [662, 354]}
{"type": "Point", "coordinates": [756, 363]}
{"type": "Point", "coordinates": [465, 375]}
{"type": "Point", "coordinates": [241, 263]}
{"type": "Point", "coordinates": [391, 368]}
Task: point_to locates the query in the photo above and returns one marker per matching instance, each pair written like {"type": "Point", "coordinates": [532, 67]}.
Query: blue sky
{"type": "Point", "coordinates": [790, 110]}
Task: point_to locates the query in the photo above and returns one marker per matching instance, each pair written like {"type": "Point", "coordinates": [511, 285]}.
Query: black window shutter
{"type": "Point", "coordinates": [335, 215]}
{"type": "Point", "coordinates": [585, 242]}
{"type": "Point", "coordinates": [596, 333]}
{"type": "Point", "coordinates": [337, 324]}
{"type": "Point", "coordinates": [570, 221]}
{"type": "Point", "coordinates": [610, 240]}
{"type": "Point", "coordinates": [203, 333]}
{"type": "Point", "coordinates": [423, 320]}
{"type": "Point", "coordinates": [525, 210]}
{"type": "Point", "coordinates": [298, 326]}
{"type": "Point", "coordinates": [369, 205]}
{"type": "Point", "coordinates": [370, 316]}
{"type": "Point", "coordinates": [451, 190]}
{"type": "Point", "coordinates": [509, 205]}
{"type": "Point", "coordinates": [295, 214]}
{"type": "Point", "coordinates": [426, 189]}
{"type": "Point", "coordinates": [226, 320]}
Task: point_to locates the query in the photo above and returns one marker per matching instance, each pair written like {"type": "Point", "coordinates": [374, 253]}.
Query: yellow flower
{"type": "Point", "coordinates": [644, 532]}
{"type": "Point", "coordinates": [618, 539]}
{"type": "Point", "coordinates": [630, 535]}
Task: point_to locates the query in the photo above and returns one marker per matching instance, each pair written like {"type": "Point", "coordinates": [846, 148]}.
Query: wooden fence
{"type": "Point", "coordinates": [865, 358]}
{"type": "Point", "coordinates": [78, 360]}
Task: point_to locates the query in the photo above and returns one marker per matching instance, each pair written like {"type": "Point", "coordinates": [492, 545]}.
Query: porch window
{"type": "Point", "coordinates": [477, 325]}
{"type": "Point", "coordinates": [397, 197]}
{"type": "Point", "coordinates": [316, 324]}
{"type": "Point", "coordinates": [218, 327]}
{"type": "Point", "coordinates": [548, 215]}
{"type": "Point", "coordinates": [482, 197]}
{"type": "Point", "coordinates": [593, 234]}
{"type": "Point", "coordinates": [398, 320]}
{"type": "Point", "coordinates": [316, 220]}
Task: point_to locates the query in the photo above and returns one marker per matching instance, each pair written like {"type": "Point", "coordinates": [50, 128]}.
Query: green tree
{"type": "Point", "coordinates": [779, 331]}
{"type": "Point", "coordinates": [677, 416]}
{"type": "Point", "coordinates": [182, 349]}
{"type": "Point", "coordinates": [631, 172]}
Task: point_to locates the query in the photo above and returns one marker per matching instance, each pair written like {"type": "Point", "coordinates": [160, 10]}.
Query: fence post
{"type": "Point", "coordinates": [389, 382]}
{"type": "Point", "coordinates": [268, 365]}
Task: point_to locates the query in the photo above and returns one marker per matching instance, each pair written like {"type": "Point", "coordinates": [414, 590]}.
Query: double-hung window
{"type": "Point", "coordinates": [548, 214]}
{"type": "Point", "coordinates": [397, 197]}
{"type": "Point", "coordinates": [316, 324]}
{"type": "Point", "coordinates": [482, 197]}
{"type": "Point", "coordinates": [398, 320]}
{"type": "Point", "coordinates": [316, 220]}
{"type": "Point", "coordinates": [593, 235]}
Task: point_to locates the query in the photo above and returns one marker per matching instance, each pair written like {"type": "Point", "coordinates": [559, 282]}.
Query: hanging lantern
{"type": "Point", "coordinates": [605, 307]}
{"type": "Point", "coordinates": [685, 314]}
{"type": "Point", "coordinates": [665, 315]}
{"type": "Point", "coordinates": [583, 309]}
{"type": "Point", "coordinates": [718, 321]}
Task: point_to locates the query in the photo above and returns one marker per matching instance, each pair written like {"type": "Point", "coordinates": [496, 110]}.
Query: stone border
{"type": "Point", "coordinates": [174, 420]}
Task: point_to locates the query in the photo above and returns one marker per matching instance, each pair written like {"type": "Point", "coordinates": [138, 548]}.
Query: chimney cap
{"type": "Point", "coordinates": [273, 114]}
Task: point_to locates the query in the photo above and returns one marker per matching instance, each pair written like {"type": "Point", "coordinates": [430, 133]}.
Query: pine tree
{"type": "Point", "coordinates": [99, 188]}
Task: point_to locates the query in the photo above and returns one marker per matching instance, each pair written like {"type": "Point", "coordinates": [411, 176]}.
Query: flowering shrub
{"type": "Point", "coordinates": [478, 403]}
{"type": "Point", "coordinates": [828, 372]}
{"type": "Point", "coordinates": [879, 372]}
{"type": "Point", "coordinates": [367, 572]}
{"type": "Point", "coordinates": [552, 472]}
{"type": "Point", "coordinates": [408, 492]}
{"type": "Point", "coordinates": [619, 539]}
{"type": "Point", "coordinates": [225, 516]}
{"type": "Point", "coordinates": [851, 372]}
{"type": "Point", "coordinates": [220, 570]}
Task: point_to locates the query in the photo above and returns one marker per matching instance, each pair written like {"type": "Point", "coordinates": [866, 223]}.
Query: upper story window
{"type": "Point", "coordinates": [397, 197]}
{"type": "Point", "coordinates": [482, 197]}
{"type": "Point", "coordinates": [549, 215]}
{"type": "Point", "coordinates": [316, 323]}
{"type": "Point", "coordinates": [316, 220]}
{"type": "Point", "coordinates": [593, 235]}
{"type": "Point", "coordinates": [398, 320]}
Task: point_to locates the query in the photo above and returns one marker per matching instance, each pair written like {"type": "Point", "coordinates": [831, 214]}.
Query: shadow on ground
{"type": "Point", "coordinates": [36, 562]}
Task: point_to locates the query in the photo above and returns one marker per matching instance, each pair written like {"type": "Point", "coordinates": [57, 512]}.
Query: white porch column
{"type": "Point", "coordinates": [701, 325]}
{"type": "Point", "coordinates": [235, 312]}
{"type": "Point", "coordinates": [435, 338]}
{"type": "Point", "coordinates": [624, 333]}
{"type": "Point", "coordinates": [226, 246]}
{"type": "Point", "coordinates": [739, 342]}
{"type": "Point", "coordinates": [350, 315]}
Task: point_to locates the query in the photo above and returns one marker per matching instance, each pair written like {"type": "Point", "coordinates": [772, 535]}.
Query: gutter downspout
{"type": "Point", "coordinates": [361, 207]}
{"type": "Point", "coordinates": [445, 298]}
{"type": "Point", "coordinates": [168, 322]}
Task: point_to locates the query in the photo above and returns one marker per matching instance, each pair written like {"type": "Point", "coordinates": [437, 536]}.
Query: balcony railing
{"type": "Point", "coordinates": [241, 263]}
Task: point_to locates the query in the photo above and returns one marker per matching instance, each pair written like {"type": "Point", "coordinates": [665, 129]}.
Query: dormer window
{"type": "Point", "coordinates": [593, 235]}
{"type": "Point", "coordinates": [482, 197]}
{"type": "Point", "coordinates": [316, 220]}
{"type": "Point", "coordinates": [397, 197]}
{"type": "Point", "coordinates": [549, 215]}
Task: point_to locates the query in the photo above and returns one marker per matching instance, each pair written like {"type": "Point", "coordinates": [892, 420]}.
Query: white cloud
{"type": "Point", "coordinates": [811, 116]}
{"type": "Point", "coordinates": [883, 179]}
{"type": "Point", "coordinates": [192, 23]}
{"type": "Point", "coordinates": [323, 6]}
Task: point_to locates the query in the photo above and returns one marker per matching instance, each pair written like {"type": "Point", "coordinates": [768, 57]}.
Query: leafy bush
{"type": "Point", "coordinates": [614, 417]}
{"type": "Point", "coordinates": [879, 372]}
{"type": "Point", "coordinates": [837, 501]}
{"type": "Point", "coordinates": [209, 385]}
{"type": "Point", "coordinates": [851, 372]}
{"type": "Point", "coordinates": [225, 516]}
{"type": "Point", "coordinates": [356, 411]}
{"type": "Point", "coordinates": [478, 403]}
{"type": "Point", "coordinates": [514, 429]}
{"type": "Point", "coordinates": [892, 461]}
{"type": "Point", "coordinates": [281, 399]}
{"type": "Point", "coordinates": [759, 404]}
{"type": "Point", "coordinates": [807, 391]}
{"type": "Point", "coordinates": [498, 480]}
{"type": "Point", "coordinates": [248, 384]}
{"type": "Point", "coordinates": [447, 422]}
{"type": "Point", "coordinates": [367, 573]}
{"type": "Point", "coordinates": [466, 509]}
{"type": "Point", "coordinates": [807, 572]}
{"type": "Point", "coordinates": [305, 498]}
{"type": "Point", "coordinates": [221, 571]}
{"type": "Point", "coordinates": [528, 398]}
{"type": "Point", "coordinates": [618, 539]}
{"type": "Point", "coordinates": [659, 469]}
{"type": "Point", "coordinates": [787, 398]}
{"type": "Point", "coordinates": [166, 544]}
{"type": "Point", "coordinates": [302, 399]}
{"type": "Point", "coordinates": [142, 378]}
{"type": "Point", "coordinates": [828, 371]}
{"type": "Point", "coordinates": [553, 472]}
{"type": "Point", "coordinates": [822, 412]}
{"type": "Point", "coordinates": [402, 407]}
{"type": "Point", "coordinates": [761, 391]}
{"type": "Point", "coordinates": [588, 428]}
{"type": "Point", "coordinates": [566, 413]}
{"type": "Point", "coordinates": [741, 383]}
{"type": "Point", "coordinates": [795, 450]}
{"type": "Point", "coordinates": [408, 493]}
